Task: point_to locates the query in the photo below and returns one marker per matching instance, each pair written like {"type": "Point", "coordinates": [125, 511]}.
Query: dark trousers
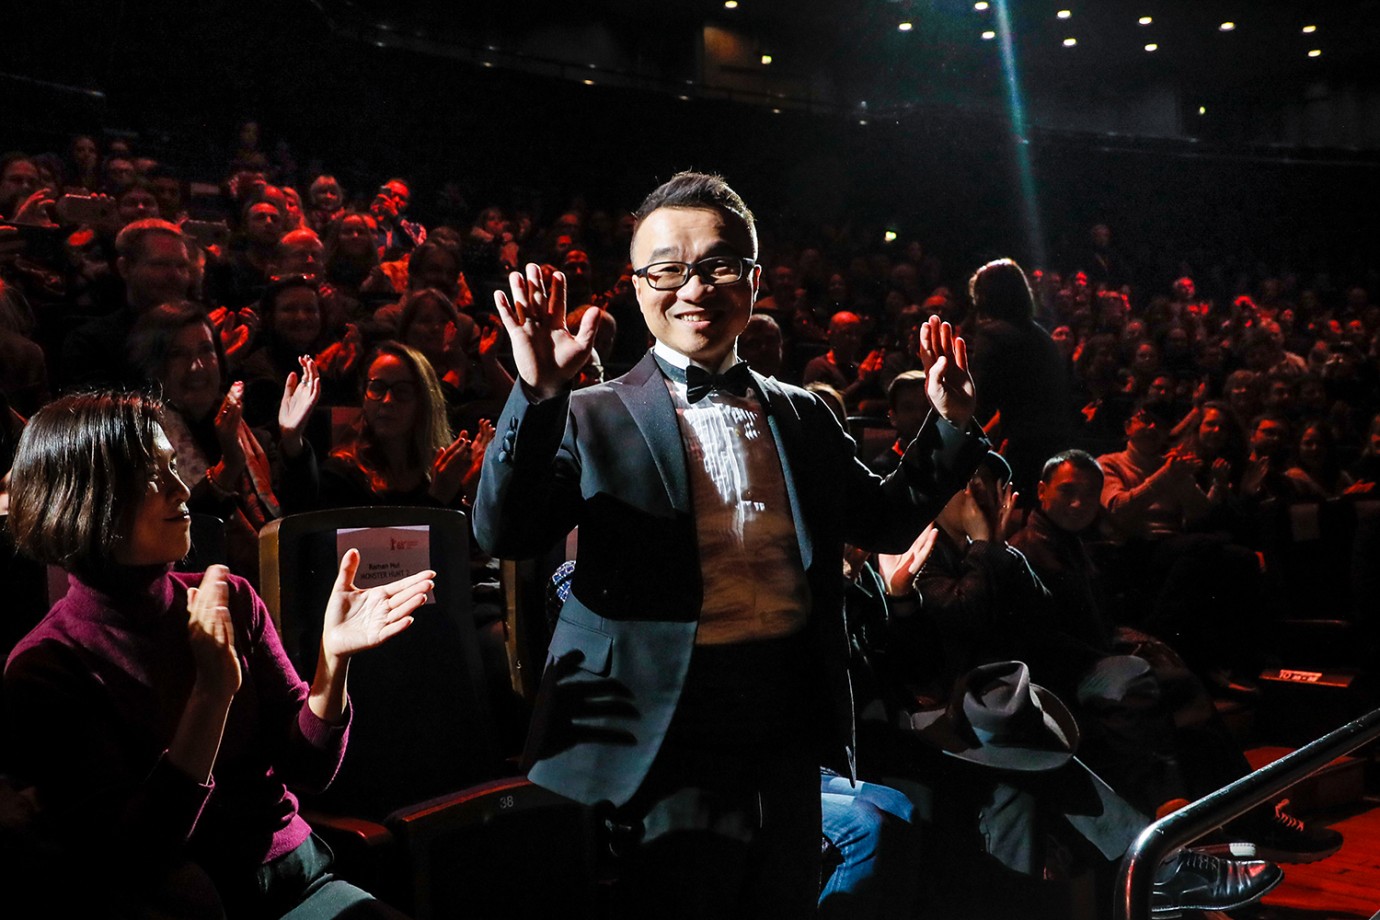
{"type": "Point", "coordinates": [300, 886]}
{"type": "Point", "coordinates": [727, 822]}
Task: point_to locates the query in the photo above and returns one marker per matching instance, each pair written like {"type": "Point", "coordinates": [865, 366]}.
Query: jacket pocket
{"type": "Point", "coordinates": [595, 648]}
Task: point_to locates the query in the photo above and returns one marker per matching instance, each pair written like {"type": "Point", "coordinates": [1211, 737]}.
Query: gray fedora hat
{"type": "Point", "coordinates": [997, 718]}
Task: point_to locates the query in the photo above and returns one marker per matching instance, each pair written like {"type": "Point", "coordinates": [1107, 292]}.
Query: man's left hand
{"type": "Point", "coordinates": [944, 356]}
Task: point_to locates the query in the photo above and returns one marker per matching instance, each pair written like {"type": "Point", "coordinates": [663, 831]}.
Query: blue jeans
{"type": "Point", "coordinates": [871, 827]}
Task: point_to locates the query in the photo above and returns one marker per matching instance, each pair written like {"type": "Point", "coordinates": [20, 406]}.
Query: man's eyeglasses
{"type": "Point", "coordinates": [401, 389]}
{"type": "Point", "coordinates": [671, 276]}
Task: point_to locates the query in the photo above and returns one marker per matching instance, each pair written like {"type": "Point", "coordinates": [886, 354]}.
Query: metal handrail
{"type": "Point", "coordinates": [1136, 878]}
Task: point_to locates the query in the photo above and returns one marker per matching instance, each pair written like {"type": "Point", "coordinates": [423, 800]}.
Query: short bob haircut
{"type": "Point", "coordinates": [81, 469]}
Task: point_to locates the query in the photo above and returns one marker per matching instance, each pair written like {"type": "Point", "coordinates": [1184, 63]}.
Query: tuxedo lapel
{"type": "Point", "coordinates": [790, 439]}
{"type": "Point", "coordinates": [643, 391]}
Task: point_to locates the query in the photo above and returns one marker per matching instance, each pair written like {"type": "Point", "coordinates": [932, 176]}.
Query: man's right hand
{"type": "Point", "coordinates": [547, 356]}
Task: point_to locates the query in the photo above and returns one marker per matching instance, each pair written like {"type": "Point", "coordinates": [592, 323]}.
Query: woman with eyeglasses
{"type": "Point", "coordinates": [401, 451]}
{"type": "Point", "coordinates": [155, 712]}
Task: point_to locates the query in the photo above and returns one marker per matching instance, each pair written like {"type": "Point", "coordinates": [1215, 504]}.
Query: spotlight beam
{"type": "Point", "coordinates": [1025, 174]}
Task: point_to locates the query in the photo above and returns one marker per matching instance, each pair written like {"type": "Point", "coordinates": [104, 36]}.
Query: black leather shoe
{"type": "Point", "coordinates": [1198, 881]}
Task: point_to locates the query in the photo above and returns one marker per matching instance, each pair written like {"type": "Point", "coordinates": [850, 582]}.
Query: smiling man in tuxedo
{"type": "Point", "coordinates": [697, 676]}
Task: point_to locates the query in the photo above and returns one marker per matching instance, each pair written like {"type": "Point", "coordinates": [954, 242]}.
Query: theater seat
{"type": "Point", "coordinates": [421, 724]}
{"type": "Point", "coordinates": [506, 848]}
{"type": "Point", "coordinates": [423, 812]}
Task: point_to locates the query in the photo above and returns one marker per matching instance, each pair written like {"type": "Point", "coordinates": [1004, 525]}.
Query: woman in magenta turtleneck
{"type": "Point", "coordinates": [155, 711]}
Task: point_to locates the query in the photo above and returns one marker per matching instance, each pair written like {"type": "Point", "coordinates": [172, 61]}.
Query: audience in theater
{"type": "Point", "coordinates": [1212, 407]}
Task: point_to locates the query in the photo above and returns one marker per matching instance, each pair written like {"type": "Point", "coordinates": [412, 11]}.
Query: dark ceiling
{"type": "Point", "coordinates": [1257, 78]}
{"type": "Point", "coordinates": [859, 41]}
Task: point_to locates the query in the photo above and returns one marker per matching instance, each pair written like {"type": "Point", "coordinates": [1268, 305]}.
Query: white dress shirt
{"type": "Point", "coordinates": [754, 584]}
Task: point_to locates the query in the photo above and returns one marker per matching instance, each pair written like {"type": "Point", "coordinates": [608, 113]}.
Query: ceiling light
{"type": "Point", "coordinates": [1070, 42]}
{"type": "Point", "coordinates": [730, 4]}
{"type": "Point", "coordinates": [683, 98]}
{"type": "Point", "coordinates": [988, 35]}
{"type": "Point", "coordinates": [1309, 30]}
{"type": "Point", "coordinates": [766, 59]}
{"type": "Point", "coordinates": [1145, 20]}
{"type": "Point", "coordinates": [906, 26]}
{"type": "Point", "coordinates": [776, 111]}
{"type": "Point", "coordinates": [862, 121]}
{"type": "Point", "coordinates": [1152, 47]}
{"type": "Point", "coordinates": [1202, 110]}
{"type": "Point", "coordinates": [1316, 52]}
{"type": "Point", "coordinates": [1064, 14]}
{"type": "Point", "coordinates": [1226, 27]}
{"type": "Point", "coordinates": [889, 236]}
{"type": "Point", "coordinates": [588, 82]}
{"type": "Point", "coordinates": [980, 6]}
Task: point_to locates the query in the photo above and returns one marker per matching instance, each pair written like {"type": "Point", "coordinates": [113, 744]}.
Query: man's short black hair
{"type": "Point", "coordinates": [698, 190]}
{"type": "Point", "coordinates": [1080, 459]}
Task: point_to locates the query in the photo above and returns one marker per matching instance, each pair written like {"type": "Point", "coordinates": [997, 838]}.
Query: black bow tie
{"type": "Point", "coordinates": [699, 382]}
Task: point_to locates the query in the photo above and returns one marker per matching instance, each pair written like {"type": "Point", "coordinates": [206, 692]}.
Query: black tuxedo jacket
{"type": "Point", "coordinates": [610, 460]}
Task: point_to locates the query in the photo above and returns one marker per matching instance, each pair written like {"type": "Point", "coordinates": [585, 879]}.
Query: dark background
{"type": "Point", "coordinates": [935, 159]}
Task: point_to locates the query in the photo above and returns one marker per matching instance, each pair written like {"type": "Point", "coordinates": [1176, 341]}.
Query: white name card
{"type": "Point", "coordinates": [387, 553]}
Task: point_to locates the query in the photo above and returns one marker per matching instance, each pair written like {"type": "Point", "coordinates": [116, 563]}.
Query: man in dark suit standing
{"type": "Point", "coordinates": [697, 676]}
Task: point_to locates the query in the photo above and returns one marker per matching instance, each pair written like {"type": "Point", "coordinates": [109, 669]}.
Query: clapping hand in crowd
{"type": "Point", "coordinates": [226, 474]}
{"type": "Point", "coordinates": [340, 359]}
{"type": "Point", "coordinates": [300, 395]}
{"type": "Point", "coordinates": [238, 329]}
{"type": "Point", "coordinates": [356, 620]}
{"type": "Point", "coordinates": [898, 572]}
{"type": "Point", "coordinates": [871, 366]}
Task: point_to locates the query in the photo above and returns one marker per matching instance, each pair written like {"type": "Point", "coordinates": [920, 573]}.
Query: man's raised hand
{"type": "Point", "coordinates": [547, 356]}
{"type": "Point", "coordinates": [944, 356]}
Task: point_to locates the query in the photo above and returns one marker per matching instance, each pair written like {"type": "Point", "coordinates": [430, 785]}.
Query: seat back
{"type": "Point", "coordinates": [873, 435]}
{"type": "Point", "coordinates": [421, 722]}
